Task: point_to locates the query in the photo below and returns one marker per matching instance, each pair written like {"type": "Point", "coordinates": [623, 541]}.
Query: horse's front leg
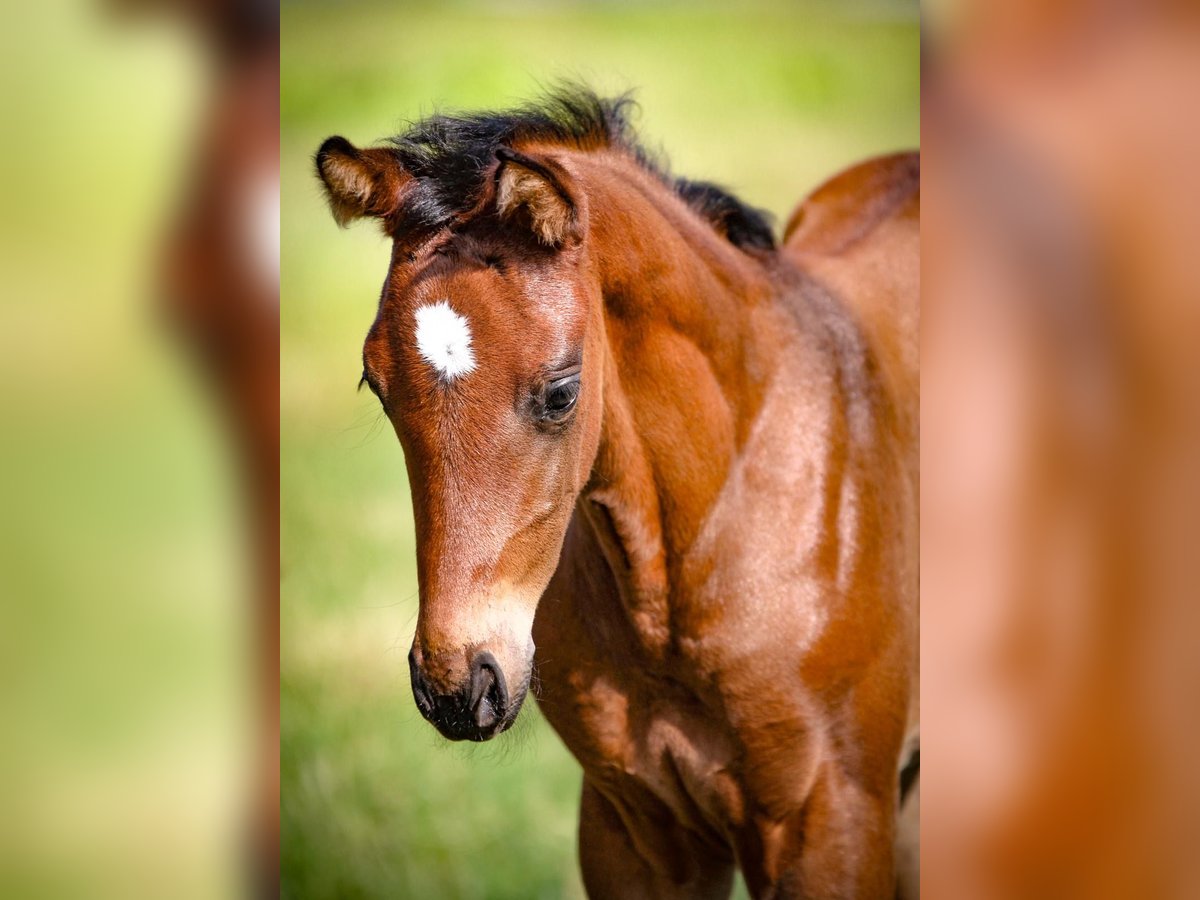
{"type": "Point", "coordinates": [839, 846]}
{"type": "Point", "coordinates": [640, 858]}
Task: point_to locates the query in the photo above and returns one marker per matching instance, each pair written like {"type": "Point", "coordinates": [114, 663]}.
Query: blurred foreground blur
{"type": "Point", "coordinates": [139, 468]}
{"type": "Point", "coordinates": [1061, 464]}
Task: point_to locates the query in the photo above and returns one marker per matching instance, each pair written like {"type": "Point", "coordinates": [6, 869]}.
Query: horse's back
{"type": "Point", "coordinates": [859, 233]}
{"type": "Point", "coordinates": [849, 207]}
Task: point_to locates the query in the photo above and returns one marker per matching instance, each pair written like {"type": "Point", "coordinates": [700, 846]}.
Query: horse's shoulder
{"type": "Point", "coordinates": [854, 203]}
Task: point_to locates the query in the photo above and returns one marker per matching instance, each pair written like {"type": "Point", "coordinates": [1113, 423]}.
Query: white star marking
{"type": "Point", "coordinates": [444, 340]}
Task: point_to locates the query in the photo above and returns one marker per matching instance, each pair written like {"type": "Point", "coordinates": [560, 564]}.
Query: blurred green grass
{"type": "Point", "coordinates": [766, 98]}
{"type": "Point", "coordinates": [123, 625]}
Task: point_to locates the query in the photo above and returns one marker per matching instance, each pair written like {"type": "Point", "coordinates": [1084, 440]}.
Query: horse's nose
{"type": "Point", "coordinates": [488, 701]}
{"type": "Point", "coordinates": [473, 711]}
{"type": "Point", "coordinates": [420, 687]}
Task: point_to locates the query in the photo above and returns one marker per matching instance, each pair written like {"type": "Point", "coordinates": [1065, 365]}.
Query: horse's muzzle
{"type": "Point", "coordinates": [477, 711]}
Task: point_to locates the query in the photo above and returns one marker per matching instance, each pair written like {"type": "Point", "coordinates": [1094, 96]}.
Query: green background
{"type": "Point", "coordinates": [768, 99]}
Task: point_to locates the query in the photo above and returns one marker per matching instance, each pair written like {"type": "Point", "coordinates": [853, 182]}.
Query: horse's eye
{"type": "Point", "coordinates": [560, 398]}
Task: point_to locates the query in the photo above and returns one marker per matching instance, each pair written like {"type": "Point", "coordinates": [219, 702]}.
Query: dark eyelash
{"type": "Point", "coordinates": [366, 379]}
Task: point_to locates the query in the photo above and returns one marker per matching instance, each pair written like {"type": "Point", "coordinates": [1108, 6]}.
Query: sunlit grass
{"type": "Point", "coordinates": [768, 99]}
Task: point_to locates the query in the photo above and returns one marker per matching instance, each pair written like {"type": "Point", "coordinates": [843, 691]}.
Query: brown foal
{"type": "Point", "coordinates": [678, 461]}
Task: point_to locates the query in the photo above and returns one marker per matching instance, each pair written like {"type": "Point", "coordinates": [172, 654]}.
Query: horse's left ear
{"type": "Point", "coordinates": [538, 193]}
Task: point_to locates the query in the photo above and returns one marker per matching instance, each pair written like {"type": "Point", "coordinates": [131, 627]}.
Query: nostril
{"type": "Point", "coordinates": [489, 694]}
{"type": "Point", "coordinates": [499, 691]}
{"type": "Point", "coordinates": [482, 702]}
{"type": "Point", "coordinates": [419, 688]}
{"type": "Point", "coordinates": [482, 679]}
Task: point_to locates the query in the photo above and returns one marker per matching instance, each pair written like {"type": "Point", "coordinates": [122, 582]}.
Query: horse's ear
{"type": "Point", "coordinates": [360, 183]}
{"type": "Point", "coordinates": [537, 193]}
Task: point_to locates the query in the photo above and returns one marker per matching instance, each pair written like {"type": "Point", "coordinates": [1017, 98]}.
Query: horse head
{"type": "Point", "coordinates": [485, 355]}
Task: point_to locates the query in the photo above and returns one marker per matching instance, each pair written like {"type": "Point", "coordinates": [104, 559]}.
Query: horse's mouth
{"type": "Point", "coordinates": [480, 715]}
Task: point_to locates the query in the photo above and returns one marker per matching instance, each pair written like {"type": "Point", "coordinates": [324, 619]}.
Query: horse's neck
{"type": "Point", "coordinates": [678, 400]}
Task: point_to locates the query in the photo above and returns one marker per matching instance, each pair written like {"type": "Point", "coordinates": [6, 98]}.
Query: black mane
{"type": "Point", "coordinates": [450, 154]}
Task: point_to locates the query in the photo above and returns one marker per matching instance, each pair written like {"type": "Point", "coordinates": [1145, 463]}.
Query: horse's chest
{"type": "Point", "coordinates": [646, 745]}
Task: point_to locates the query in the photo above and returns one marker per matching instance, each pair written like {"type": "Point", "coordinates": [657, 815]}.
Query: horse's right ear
{"type": "Point", "coordinates": [360, 183]}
